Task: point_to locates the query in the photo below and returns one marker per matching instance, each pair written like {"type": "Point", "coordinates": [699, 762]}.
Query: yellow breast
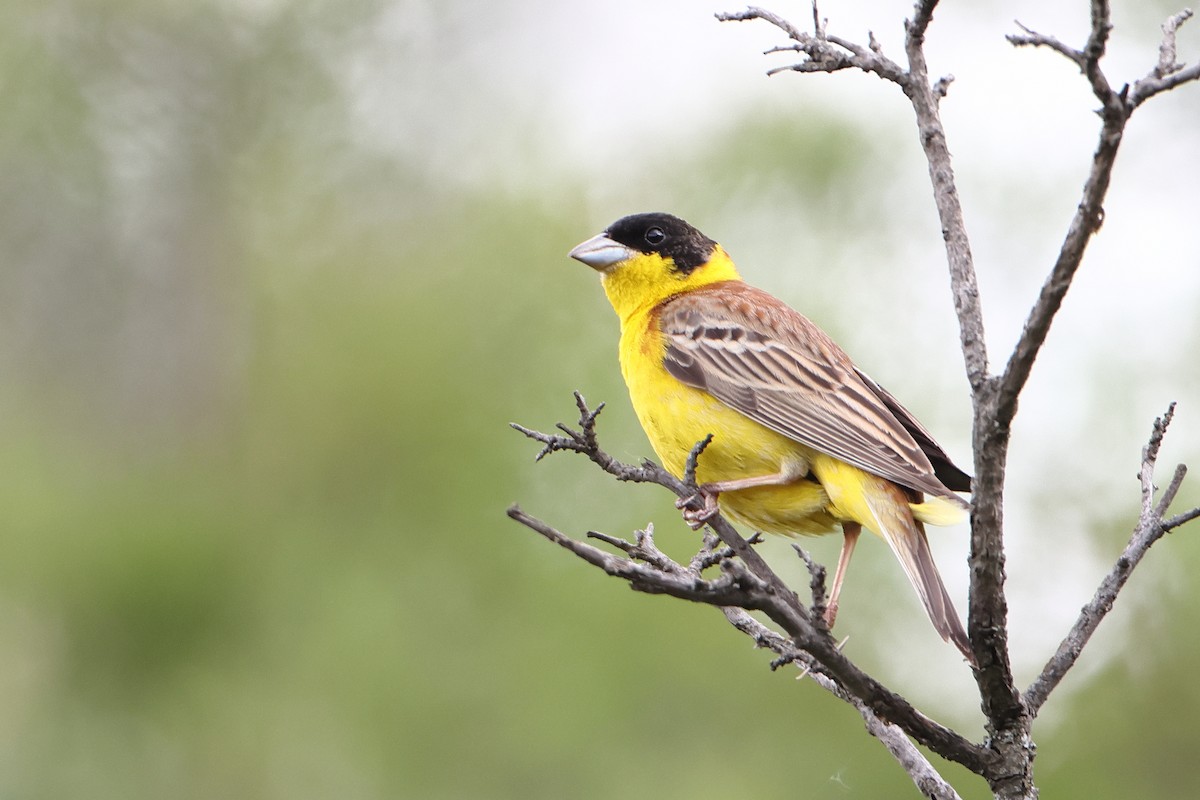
{"type": "Point", "coordinates": [675, 417]}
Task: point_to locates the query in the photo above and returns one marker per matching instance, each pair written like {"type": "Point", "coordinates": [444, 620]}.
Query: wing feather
{"type": "Point", "coordinates": [943, 467]}
{"type": "Point", "coordinates": [769, 362]}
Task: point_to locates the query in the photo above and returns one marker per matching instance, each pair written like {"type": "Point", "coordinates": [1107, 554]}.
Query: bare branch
{"type": "Point", "coordinates": [922, 16]}
{"type": "Point", "coordinates": [964, 285]}
{"type": "Point", "coordinates": [749, 584]}
{"type": "Point", "coordinates": [1180, 519]}
{"type": "Point", "coordinates": [1167, 73]}
{"type": "Point", "coordinates": [642, 548]}
{"type": "Point", "coordinates": [987, 618]}
{"type": "Point", "coordinates": [1146, 88]}
{"type": "Point", "coordinates": [1150, 458]}
{"type": "Point", "coordinates": [924, 775]}
{"type": "Point", "coordinates": [1087, 220]}
{"type": "Point", "coordinates": [1101, 27]}
{"type": "Point", "coordinates": [689, 466]}
{"type": "Point", "coordinates": [1094, 50]}
{"type": "Point", "coordinates": [736, 587]}
{"type": "Point", "coordinates": [753, 12]}
{"type": "Point", "coordinates": [584, 441]}
{"type": "Point", "coordinates": [1118, 106]}
{"type": "Point", "coordinates": [824, 53]}
{"type": "Point", "coordinates": [1149, 529]}
{"type": "Point", "coordinates": [828, 53]}
{"type": "Point", "coordinates": [709, 553]}
{"type": "Point", "coordinates": [1032, 38]}
{"type": "Point", "coordinates": [941, 87]}
{"type": "Point", "coordinates": [1166, 49]}
{"type": "Point", "coordinates": [816, 585]}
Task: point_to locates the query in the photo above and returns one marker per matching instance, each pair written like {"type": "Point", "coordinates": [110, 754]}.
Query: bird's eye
{"type": "Point", "coordinates": [655, 236]}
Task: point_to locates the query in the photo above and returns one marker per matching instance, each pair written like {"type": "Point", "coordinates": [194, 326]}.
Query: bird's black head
{"type": "Point", "coordinates": [665, 234]}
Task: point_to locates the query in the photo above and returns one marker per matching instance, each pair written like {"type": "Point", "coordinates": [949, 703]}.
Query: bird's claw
{"type": "Point", "coordinates": [697, 517]}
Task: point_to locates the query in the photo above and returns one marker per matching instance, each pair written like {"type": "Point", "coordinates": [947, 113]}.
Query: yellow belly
{"type": "Point", "coordinates": [676, 416]}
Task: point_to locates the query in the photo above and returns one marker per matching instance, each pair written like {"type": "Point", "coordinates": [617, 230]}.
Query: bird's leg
{"type": "Point", "coordinates": [850, 533]}
{"type": "Point", "coordinates": [708, 492]}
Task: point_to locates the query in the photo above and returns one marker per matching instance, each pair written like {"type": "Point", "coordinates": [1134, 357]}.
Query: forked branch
{"type": "Point", "coordinates": [1117, 107]}
{"type": "Point", "coordinates": [1151, 526]}
{"type": "Point", "coordinates": [995, 397]}
{"type": "Point", "coordinates": [747, 582]}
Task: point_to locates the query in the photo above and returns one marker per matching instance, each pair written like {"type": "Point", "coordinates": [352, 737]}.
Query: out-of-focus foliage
{"type": "Point", "coordinates": [258, 372]}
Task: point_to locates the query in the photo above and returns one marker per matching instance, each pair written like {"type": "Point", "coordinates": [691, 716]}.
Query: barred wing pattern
{"type": "Point", "coordinates": [772, 364]}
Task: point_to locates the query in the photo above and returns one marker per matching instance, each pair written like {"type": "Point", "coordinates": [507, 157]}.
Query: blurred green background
{"type": "Point", "coordinates": [274, 278]}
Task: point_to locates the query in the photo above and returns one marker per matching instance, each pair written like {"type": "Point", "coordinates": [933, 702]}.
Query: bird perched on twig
{"type": "Point", "coordinates": [802, 440]}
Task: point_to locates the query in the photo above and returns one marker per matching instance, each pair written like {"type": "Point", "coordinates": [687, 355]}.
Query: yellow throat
{"type": "Point", "coordinates": [643, 281]}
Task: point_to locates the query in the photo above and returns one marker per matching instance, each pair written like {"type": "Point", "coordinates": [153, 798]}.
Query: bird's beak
{"type": "Point", "coordinates": [600, 252]}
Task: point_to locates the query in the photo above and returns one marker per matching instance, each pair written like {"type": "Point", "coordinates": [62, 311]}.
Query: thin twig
{"type": "Point", "coordinates": [733, 588]}
{"type": "Point", "coordinates": [1168, 496]}
{"type": "Point", "coordinates": [1093, 51]}
{"type": "Point", "coordinates": [1150, 458]}
{"type": "Point", "coordinates": [1149, 529]}
{"type": "Point", "coordinates": [964, 286]}
{"type": "Point", "coordinates": [1117, 108]}
{"type": "Point", "coordinates": [1167, 73]}
{"type": "Point", "coordinates": [924, 775]}
{"type": "Point", "coordinates": [749, 583]}
{"type": "Point", "coordinates": [738, 587]}
{"type": "Point", "coordinates": [711, 552]}
{"type": "Point", "coordinates": [1166, 48]}
{"type": "Point", "coordinates": [1031, 38]}
{"type": "Point", "coordinates": [1087, 220]}
{"type": "Point", "coordinates": [941, 87]}
{"type": "Point", "coordinates": [1180, 519]}
{"type": "Point", "coordinates": [922, 16]}
{"type": "Point", "coordinates": [816, 585]}
{"type": "Point", "coordinates": [583, 441]}
{"type": "Point", "coordinates": [823, 51]}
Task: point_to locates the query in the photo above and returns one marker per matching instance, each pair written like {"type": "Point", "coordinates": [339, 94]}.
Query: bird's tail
{"type": "Point", "coordinates": [895, 523]}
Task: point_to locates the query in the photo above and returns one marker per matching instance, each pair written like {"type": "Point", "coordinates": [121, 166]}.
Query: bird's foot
{"type": "Point", "coordinates": [697, 517]}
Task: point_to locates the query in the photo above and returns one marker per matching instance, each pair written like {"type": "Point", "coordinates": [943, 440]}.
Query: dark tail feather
{"type": "Point", "coordinates": [943, 468]}
{"type": "Point", "coordinates": [906, 536]}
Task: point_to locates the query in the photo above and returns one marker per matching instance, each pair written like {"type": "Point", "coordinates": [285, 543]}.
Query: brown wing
{"type": "Point", "coordinates": [945, 470]}
{"type": "Point", "coordinates": [769, 362]}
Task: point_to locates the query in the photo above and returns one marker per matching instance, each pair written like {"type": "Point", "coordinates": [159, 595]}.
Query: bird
{"type": "Point", "coordinates": [803, 441]}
